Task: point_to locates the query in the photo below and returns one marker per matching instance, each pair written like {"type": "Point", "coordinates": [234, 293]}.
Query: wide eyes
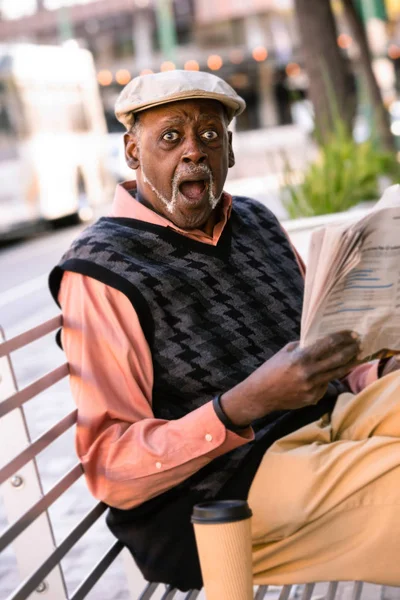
{"type": "Point", "coordinates": [172, 136]}
{"type": "Point", "coordinates": [210, 135]}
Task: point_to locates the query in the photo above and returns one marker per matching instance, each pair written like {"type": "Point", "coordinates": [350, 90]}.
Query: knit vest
{"type": "Point", "coordinates": [211, 316]}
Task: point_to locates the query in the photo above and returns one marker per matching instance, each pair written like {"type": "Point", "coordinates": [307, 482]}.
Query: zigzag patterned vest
{"type": "Point", "coordinates": [211, 315]}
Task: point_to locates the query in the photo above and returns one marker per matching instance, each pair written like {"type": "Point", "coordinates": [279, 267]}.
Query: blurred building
{"type": "Point", "coordinates": [252, 44]}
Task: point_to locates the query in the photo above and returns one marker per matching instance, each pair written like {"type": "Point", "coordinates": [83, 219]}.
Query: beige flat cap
{"type": "Point", "coordinates": [147, 91]}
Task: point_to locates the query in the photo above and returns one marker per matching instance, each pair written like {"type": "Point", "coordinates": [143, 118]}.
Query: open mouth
{"type": "Point", "coordinates": [194, 190]}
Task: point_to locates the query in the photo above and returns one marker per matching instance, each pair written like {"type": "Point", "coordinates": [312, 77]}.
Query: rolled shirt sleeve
{"type": "Point", "coordinates": [128, 455]}
{"type": "Point", "coordinates": [363, 375]}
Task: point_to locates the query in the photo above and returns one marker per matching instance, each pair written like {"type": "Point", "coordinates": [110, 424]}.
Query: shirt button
{"type": "Point", "coordinates": [158, 465]}
{"type": "Point", "coordinates": [208, 437]}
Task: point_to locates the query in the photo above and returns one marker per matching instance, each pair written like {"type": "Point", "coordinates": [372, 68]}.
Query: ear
{"type": "Point", "coordinates": [131, 151]}
{"type": "Point", "coordinates": [231, 154]}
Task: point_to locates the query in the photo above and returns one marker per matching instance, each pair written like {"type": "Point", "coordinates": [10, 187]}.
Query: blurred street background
{"type": "Point", "coordinates": [320, 136]}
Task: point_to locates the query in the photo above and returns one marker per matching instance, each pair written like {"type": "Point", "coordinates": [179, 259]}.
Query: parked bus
{"type": "Point", "coordinates": [53, 137]}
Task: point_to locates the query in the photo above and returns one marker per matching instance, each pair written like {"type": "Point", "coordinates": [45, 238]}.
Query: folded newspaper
{"type": "Point", "coordinates": [353, 280]}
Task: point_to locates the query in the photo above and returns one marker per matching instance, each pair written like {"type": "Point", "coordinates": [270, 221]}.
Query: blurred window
{"type": "Point", "coordinates": [6, 127]}
{"type": "Point", "coordinates": [55, 109]}
{"type": "Point", "coordinates": [184, 34]}
{"type": "Point", "coordinates": [249, 119]}
{"type": "Point", "coordinates": [55, 4]}
{"type": "Point", "coordinates": [238, 32]}
{"type": "Point", "coordinates": [184, 21]}
{"type": "Point", "coordinates": [113, 125]}
{"type": "Point", "coordinates": [78, 116]}
{"type": "Point", "coordinates": [123, 44]}
{"type": "Point", "coordinates": [10, 9]}
{"type": "Point", "coordinates": [224, 33]}
{"type": "Point", "coordinates": [8, 133]}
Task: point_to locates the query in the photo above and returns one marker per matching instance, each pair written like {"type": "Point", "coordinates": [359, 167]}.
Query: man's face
{"type": "Point", "coordinates": [182, 152]}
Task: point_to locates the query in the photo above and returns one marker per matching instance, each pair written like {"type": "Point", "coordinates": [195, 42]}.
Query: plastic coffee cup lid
{"type": "Point", "coordinates": [221, 511]}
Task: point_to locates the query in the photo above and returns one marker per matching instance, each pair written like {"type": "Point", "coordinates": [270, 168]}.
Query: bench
{"type": "Point", "coordinates": [30, 542]}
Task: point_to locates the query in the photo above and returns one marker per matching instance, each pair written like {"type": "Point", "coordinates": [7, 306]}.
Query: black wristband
{"type": "Point", "coordinates": [223, 418]}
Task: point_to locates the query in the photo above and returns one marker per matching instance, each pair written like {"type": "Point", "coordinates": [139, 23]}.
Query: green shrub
{"type": "Point", "coordinates": [344, 174]}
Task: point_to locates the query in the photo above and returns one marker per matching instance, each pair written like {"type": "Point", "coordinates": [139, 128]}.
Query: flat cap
{"type": "Point", "coordinates": [147, 91]}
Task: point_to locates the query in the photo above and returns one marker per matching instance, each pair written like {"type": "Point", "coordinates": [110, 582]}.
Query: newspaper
{"type": "Point", "coordinates": [353, 280]}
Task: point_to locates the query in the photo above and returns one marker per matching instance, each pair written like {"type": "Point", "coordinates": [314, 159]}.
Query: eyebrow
{"type": "Point", "coordinates": [181, 120]}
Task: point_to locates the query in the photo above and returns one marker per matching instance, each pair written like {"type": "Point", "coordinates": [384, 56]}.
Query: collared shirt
{"type": "Point", "coordinates": [128, 455]}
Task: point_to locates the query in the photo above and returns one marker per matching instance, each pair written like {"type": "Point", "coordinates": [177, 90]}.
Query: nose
{"type": "Point", "coordinates": [193, 151]}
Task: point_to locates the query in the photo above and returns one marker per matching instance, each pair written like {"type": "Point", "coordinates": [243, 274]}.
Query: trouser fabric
{"type": "Point", "coordinates": [326, 498]}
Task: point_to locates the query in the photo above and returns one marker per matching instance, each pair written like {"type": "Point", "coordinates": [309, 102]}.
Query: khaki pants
{"type": "Point", "coordinates": [326, 498]}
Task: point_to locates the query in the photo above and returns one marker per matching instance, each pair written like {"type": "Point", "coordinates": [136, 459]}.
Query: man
{"type": "Point", "coordinates": [180, 311]}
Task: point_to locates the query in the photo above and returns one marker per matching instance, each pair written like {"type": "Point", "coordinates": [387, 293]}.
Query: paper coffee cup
{"type": "Point", "coordinates": [223, 537]}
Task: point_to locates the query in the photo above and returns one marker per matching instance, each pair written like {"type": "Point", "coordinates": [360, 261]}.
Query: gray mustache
{"type": "Point", "coordinates": [194, 171]}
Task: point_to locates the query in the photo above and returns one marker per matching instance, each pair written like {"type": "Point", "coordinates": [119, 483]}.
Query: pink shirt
{"type": "Point", "coordinates": [127, 454]}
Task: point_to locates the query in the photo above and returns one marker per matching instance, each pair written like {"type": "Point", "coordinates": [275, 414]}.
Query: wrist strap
{"type": "Point", "coordinates": [223, 418]}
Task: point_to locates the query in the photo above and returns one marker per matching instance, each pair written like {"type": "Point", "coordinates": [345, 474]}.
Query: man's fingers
{"type": "Point", "coordinates": [330, 344]}
{"type": "Point", "coordinates": [337, 373]}
{"type": "Point", "coordinates": [337, 360]}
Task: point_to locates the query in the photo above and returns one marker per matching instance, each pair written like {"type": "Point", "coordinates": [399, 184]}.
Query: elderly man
{"type": "Point", "coordinates": [180, 311]}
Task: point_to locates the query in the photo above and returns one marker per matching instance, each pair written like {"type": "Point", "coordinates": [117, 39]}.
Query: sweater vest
{"type": "Point", "coordinates": [211, 316]}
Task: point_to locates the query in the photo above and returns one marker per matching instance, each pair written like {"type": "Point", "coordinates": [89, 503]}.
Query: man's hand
{"type": "Point", "coordinates": [294, 377]}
